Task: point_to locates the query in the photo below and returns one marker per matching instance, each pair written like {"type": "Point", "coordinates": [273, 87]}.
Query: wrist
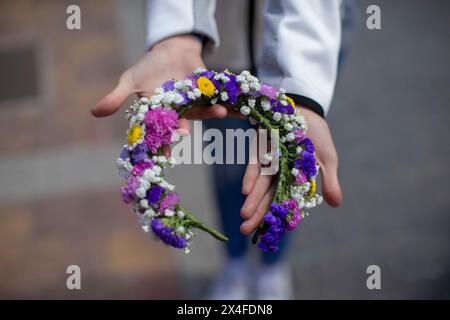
{"type": "Point", "coordinates": [185, 42]}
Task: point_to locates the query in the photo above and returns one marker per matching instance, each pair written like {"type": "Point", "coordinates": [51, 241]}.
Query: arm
{"type": "Point", "coordinates": [173, 53]}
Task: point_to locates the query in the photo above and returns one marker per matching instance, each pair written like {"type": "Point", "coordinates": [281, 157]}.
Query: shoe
{"type": "Point", "coordinates": [232, 283]}
{"type": "Point", "coordinates": [274, 282]}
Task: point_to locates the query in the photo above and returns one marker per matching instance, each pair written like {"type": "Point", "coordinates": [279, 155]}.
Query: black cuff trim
{"type": "Point", "coordinates": [201, 37]}
{"type": "Point", "coordinates": [307, 103]}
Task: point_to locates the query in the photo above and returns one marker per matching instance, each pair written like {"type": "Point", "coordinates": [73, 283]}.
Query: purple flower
{"type": "Point", "coordinates": [139, 153]}
{"type": "Point", "coordinates": [307, 163]}
{"type": "Point", "coordinates": [278, 107]}
{"type": "Point", "coordinates": [169, 201]}
{"type": "Point", "coordinates": [128, 192]}
{"type": "Point", "coordinates": [154, 194]}
{"type": "Point", "coordinates": [125, 194]}
{"type": "Point", "coordinates": [279, 210]}
{"type": "Point", "coordinates": [308, 145]}
{"type": "Point", "coordinates": [232, 88]}
{"type": "Point", "coordinates": [124, 154]}
{"type": "Point", "coordinates": [270, 219]}
{"type": "Point", "coordinates": [160, 125]}
{"type": "Point", "coordinates": [168, 85]}
{"type": "Point", "coordinates": [167, 235]}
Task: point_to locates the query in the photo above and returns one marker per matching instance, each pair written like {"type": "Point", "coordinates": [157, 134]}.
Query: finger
{"type": "Point", "coordinates": [254, 221]}
{"type": "Point", "coordinates": [249, 180]}
{"type": "Point", "coordinates": [253, 168]}
{"type": "Point", "coordinates": [331, 188]}
{"type": "Point", "coordinates": [184, 128]}
{"type": "Point", "coordinates": [236, 114]}
{"type": "Point", "coordinates": [166, 150]}
{"type": "Point", "coordinates": [254, 198]}
{"type": "Point", "coordinates": [113, 100]}
{"type": "Point", "coordinates": [202, 113]}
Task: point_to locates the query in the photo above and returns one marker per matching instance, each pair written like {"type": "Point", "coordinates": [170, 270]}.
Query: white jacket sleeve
{"type": "Point", "coordinates": [167, 18]}
{"type": "Point", "coordinates": [300, 49]}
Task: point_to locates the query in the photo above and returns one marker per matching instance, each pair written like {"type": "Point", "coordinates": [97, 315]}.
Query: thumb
{"type": "Point", "coordinates": [331, 188]}
{"type": "Point", "coordinates": [113, 100]}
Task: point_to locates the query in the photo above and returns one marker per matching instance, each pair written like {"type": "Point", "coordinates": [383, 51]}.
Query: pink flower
{"type": "Point", "coordinates": [299, 135]}
{"type": "Point", "coordinates": [300, 178]}
{"type": "Point", "coordinates": [269, 91]}
{"type": "Point", "coordinates": [295, 217]}
{"type": "Point", "coordinates": [139, 168]}
{"type": "Point", "coordinates": [169, 201]}
{"type": "Point", "coordinates": [160, 125]}
{"type": "Point", "coordinates": [294, 221]}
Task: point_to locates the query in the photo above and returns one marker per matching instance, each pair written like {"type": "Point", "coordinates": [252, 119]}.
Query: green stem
{"type": "Point", "coordinates": [200, 225]}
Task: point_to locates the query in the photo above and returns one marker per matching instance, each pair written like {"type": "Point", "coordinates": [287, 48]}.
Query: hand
{"type": "Point", "coordinates": [174, 58]}
{"type": "Point", "coordinates": [259, 189]}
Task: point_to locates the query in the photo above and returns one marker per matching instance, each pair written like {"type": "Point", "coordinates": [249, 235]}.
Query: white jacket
{"type": "Point", "coordinates": [299, 47]}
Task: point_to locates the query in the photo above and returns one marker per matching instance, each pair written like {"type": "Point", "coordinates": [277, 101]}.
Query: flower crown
{"type": "Point", "coordinates": [152, 124]}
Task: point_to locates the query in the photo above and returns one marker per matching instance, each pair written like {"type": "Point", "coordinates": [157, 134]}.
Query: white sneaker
{"type": "Point", "coordinates": [274, 282]}
{"type": "Point", "coordinates": [232, 283]}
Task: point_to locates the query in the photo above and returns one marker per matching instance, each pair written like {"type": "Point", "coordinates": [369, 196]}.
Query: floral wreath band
{"type": "Point", "coordinates": [152, 124]}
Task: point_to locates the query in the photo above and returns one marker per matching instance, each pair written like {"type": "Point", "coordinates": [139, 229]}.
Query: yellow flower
{"type": "Point", "coordinates": [205, 86]}
{"type": "Point", "coordinates": [290, 101]}
{"type": "Point", "coordinates": [134, 134]}
{"type": "Point", "coordinates": [312, 188]}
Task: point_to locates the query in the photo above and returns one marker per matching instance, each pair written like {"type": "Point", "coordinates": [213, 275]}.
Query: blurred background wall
{"type": "Point", "coordinates": [59, 200]}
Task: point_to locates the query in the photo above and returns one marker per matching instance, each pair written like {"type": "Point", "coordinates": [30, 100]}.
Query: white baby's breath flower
{"type": "Point", "coordinates": [245, 88]}
{"type": "Point", "coordinates": [298, 150]}
{"type": "Point", "coordinates": [224, 96]}
{"type": "Point", "coordinates": [169, 213]}
{"type": "Point", "coordinates": [265, 104]}
{"type": "Point", "coordinates": [180, 230]}
{"type": "Point", "coordinates": [149, 175]}
{"type": "Point", "coordinates": [149, 213]}
{"type": "Point", "coordinates": [251, 103]}
{"type": "Point", "coordinates": [172, 161]}
{"type": "Point", "coordinates": [288, 126]}
{"type": "Point", "coordinates": [180, 214]}
{"type": "Point", "coordinates": [191, 95]}
{"type": "Point", "coordinates": [144, 183]}
{"type": "Point", "coordinates": [214, 101]}
{"type": "Point", "coordinates": [290, 137]}
{"type": "Point", "coordinates": [294, 171]}
{"type": "Point", "coordinates": [144, 203]}
{"type": "Point", "coordinates": [245, 110]}
{"type": "Point", "coordinates": [197, 92]}
{"type": "Point", "coordinates": [162, 159]}
{"type": "Point", "coordinates": [143, 100]}
{"type": "Point", "coordinates": [276, 116]}
{"type": "Point", "coordinates": [157, 170]}
{"type": "Point", "coordinates": [198, 70]}
{"type": "Point", "coordinates": [141, 192]}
